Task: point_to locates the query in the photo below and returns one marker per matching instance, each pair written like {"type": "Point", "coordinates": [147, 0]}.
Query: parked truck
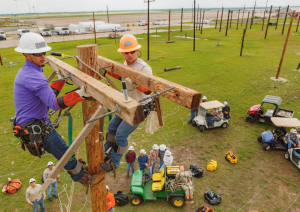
{"type": "Point", "coordinates": [62, 30]}
{"type": "Point", "coordinates": [161, 22]}
{"type": "Point", "coordinates": [45, 32]}
{"type": "Point", "coordinates": [109, 28]}
{"type": "Point", "coordinates": [142, 23]}
{"type": "Point", "coordinates": [2, 35]}
{"type": "Point", "coordinates": [22, 31]}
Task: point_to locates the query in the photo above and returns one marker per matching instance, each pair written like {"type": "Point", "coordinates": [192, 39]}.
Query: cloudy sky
{"type": "Point", "coordinates": [9, 6]}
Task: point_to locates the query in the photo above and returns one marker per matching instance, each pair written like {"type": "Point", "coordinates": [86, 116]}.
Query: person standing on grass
{"type": "Point", "coordinates": [194, 112]}
{"type": "Point", "coordinates": [118, 129]}
{"type": "Point", "coordinates": [226, 110]}
{"type": "Point", "coordinates": [54, 184]}
{"type": "Point", "coordinates": [153, 159]}
{"type": "Point", "coordinates": [143, 161]}
{"type": "Point", "coordinates": [130, 159]}
{"type": "Point", "coordinates": [168, 159]}
{"type": "Point", "coordinates": [110, 200]}
{"type": "Point", "coordinates": [161, 154]}
{"type": "Point", "coordinates": [34, 198]}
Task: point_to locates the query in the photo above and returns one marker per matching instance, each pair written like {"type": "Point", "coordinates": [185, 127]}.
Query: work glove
{"type": "Point", "coordinates": [31, 204]}
{"type": "Point", "coordinates": [129, 82]}
{"type": "Point", "coordinates": [82, 92]}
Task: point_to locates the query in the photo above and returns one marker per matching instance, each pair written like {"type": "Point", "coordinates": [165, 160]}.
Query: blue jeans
{"type": "Point", "coordinates": [211, 120]}
{"type": "Point", "coordinates": [227, 116]}
{"type": "Point", "coordinates": [111, 209]}
{"type": "Point", "coordinates": [54, 185]}
{"type": "Point", "coordinates": [289, 143]}
{"type": "Point", "coordinates": [151, 169]}
{"type": "Point", "coordinates": [122, 130]}
{"type": "Point", "coordinates": [194, 113]}
{"type": "Point", "coordinates": [128, 167]}
{"type": "Point", "coordinates": [56, 146]}
{"type": "Point", "coordinates": [36, 205]}
{"type": "Point", "coordinates": [161, 163]}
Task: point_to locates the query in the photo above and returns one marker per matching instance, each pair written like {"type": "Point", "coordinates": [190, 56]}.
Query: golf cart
{"type": "Point", "coordinates": [276, 142]}
{"type": "Point", "coordinates": [200, 120]}
{"type": "Point", "coordinates": [290, 156]}
{"type": "Point", "coordinates": [264, 114]}
{"type": "Point", "coordinates": [161, 185]}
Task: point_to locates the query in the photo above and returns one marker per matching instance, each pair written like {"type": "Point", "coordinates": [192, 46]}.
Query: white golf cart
{"type": "Point", "coordinates": [200, 120]}
{"type": "Point", "coordinates": [290, 156]}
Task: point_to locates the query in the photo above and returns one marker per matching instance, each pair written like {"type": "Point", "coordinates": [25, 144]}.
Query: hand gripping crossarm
{"type": "Point", "coordinates": [71, 150]}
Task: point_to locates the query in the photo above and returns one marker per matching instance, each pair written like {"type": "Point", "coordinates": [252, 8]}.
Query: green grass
{"type": "Point", "coordinates": [219, 73]}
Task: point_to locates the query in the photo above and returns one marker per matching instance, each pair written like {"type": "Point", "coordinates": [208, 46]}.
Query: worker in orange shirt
{"type": "Point", "coordinates": [110, 200]}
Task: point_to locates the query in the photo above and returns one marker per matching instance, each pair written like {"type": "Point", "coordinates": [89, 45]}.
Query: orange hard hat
{"type": "Point", "coordinates": [128, 43]}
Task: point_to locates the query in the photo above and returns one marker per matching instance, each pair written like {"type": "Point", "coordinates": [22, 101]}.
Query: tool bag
{"type": "Point", "coordinates": [196, 172]}
{"type": "Point", "coordinates": [152, 124]}
{"type": "Point", "coordinates": [204, 209]}
{"type": "Point", "coordinates": [121, 199]}
{"type": "Point", "coordinates": [12, 187]}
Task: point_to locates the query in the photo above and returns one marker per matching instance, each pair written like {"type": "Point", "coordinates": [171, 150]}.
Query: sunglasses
{"type": "Point", "coordinates": [39, 54]}
{"type": "Point", "coordinates": [130, 52]}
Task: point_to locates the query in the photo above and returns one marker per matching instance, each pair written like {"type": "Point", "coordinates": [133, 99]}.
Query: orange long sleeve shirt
{"type": "Point", "coordinates": [110, 200]}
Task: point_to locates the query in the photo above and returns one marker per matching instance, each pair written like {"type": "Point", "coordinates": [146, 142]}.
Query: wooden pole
{"type": "Point", "coordinates": [242, 46]}
{"type": "Point", "coordinates": [262, 29]}
{"type": "Point", "coordinates": [169, 25]}
{"type": "Point", "coordinates": [247, 20]}
{"type": "Point", "coordinates": [94, 141]}
{"type": "Point", "coordinates": [94, 28]}
{"type": "Point", "coordinates": [217, 19]}
{"type": "Point", "coordinates": [221, 19]}
{"type": "Point", "coordinates": [231, 17]}
{"type": "Point", "coordinates": [285, 44]}
{"type": "Point", "coordinates": [197, 15]}
{"type": "Point", "coordinates": [298, 23]}
{"type": "Point", "coordinates": [287, 10]}
{"type": "Point", "coordinates": [298, 67]}
{"type": "Point", "coordinates": [202, 20]}
{"type": "Point", "coordinates": [199, 20]}
{"type": "Point", "coordinates": [148, 31]}
{"type": "Point", "coordinates": [237, 24]}
{"type": "Point", "coordinates": [181, 20]}
{"type": "Point", "coordinates": [243, 15]}
{"type": "Point", "coordinates": [277, 17]}
{"type": "Point", "coordinates": [253, 15]}
{"type": "Point", "coordinates": [107, 14]}
{"type": "Point", "coordinates": [1, 60]}
{"type": "Point", "coordinates": [227, 22]}
{"type": "Point", "coordinates": [194, 47]}
{"type": "Point", "coordinates": [268, 22]}
{"type": "Point", "coordinates": [192, 11]}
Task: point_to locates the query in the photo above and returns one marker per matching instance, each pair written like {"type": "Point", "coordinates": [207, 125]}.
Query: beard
{"type": "Point", "coordinates": [42, 65]}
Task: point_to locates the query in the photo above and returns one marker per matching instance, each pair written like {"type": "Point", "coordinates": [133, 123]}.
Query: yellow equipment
{"type": "Point", "coordinates": [172, 170]}
{"type": "Point", "coordinates": [158, 186]}
{"type": "Point", "coordinates": [212, 165]}
{"type": "Point", "coordinates": [157, 176]}
{"type": "Point", "coordinates": [230, 157]}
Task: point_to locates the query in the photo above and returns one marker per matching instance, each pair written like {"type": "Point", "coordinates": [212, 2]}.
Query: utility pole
{"type": "Point", "coordinates": [94, 141]}
{"type": "Point", "coordinates": [181, 20]}
{"type": "Point", "coordinates": [194, 48]}
{"type": "Point", "coordinates": [243, 15]}
{"type": "Point", "coordinates": [242, 46]}
{"type": "Point", "coordinates": [30, 12]}
{"type": "Point", "coordinates": [217, 19]}
{"type": "Point", "coordinates": [253, 15]}
{"type": "Point", "coordinates": [262, 29]}
{"type": "Point", "coordinates": [298, 23]}
{"type": "Point", "coordinates": [197, 14]}
{"type": "Point", "coordinates": [231, 17]}
{"type": "Point", "coordinates": [277, 17]}
{"type": "Point", "coordinates": [199, 20]}
{"type": "Point", "coordinates": [221, 19]}
{"type": "Point", "coordinates": [287, 10]}
{"type": "Point", "coordinates": [227, 22]}
{"type": "Point", "coordinates": [107, 13]}
{"type": "Point", "coordinates": [237, 24]}
{"type": "Point", "coordinates": [247, 20]}
{"type": "Point", "coordinates": [169, 28]}
{"type": "Point", "coordinates": [202, 20]}
{"type": "Point", "coordinates": [268, 22]}
{"type": "Point", "coordinates": [18, 13]}
{"type": "Point", "coordinates": [94, 27]}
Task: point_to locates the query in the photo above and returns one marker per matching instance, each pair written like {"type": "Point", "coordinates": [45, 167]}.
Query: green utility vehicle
{"type": "Point", "coordinates": [162, 185]}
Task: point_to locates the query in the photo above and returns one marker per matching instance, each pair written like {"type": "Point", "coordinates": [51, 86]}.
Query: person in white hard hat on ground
{"type": "Point", "coordinates": [226, 110]}
{"type": "Point", "coordinates": [33, 97]}
{"type": "Point", "coordinates": [168, 159]}
{"type": "Point", "coordinates": [118, 129]}
{"type": "Point", "coordinates": [153, 159]}
{"type": "Point", "coordinates": [292, 139]}
{"type": "Point", "coordinates": [161, 154]}
{"type": "Point", "coordinates": [54, 184]}
{"type": "Point", "coordinates": [130, 157]}
{"type": "Point", "coordinates": [143, 161]}
{"type": "Point", "coordinates": [33, 197]}
{"type": "Point", "coordinates": [110, 200]}
{"type": "Point", "coordinates": [194, 112]}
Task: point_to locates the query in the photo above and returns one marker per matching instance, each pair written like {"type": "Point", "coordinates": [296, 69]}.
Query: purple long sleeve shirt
{"type": "Point", "coordinates": [32, 94]}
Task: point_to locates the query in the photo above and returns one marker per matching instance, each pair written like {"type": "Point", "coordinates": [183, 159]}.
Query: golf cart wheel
{"type": "Point", "coordinates": [259, 139]}
{"type": "Point", "coordinates": [202, 128]}
{"type": "Point", "coordinates": [177, 202]}
{"type": "Point", "coordinates": [194, 122]}
{"type": "Point", "coordinates": [224, 125]}
{"type": "Point", "coordinates": [286, 155]}
{"type": "Point", "coordinates": [250, 119]}
{"type": "Point", "coordinates": [136, 199]}
{"type": "Point", "coordinates": [266, 146]}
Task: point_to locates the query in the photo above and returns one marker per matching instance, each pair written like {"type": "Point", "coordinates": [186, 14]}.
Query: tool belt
{"type": "Point", "coordinates": [32, 135]}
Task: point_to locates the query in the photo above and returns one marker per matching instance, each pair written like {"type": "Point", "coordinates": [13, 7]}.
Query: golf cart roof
{"type": "Point", "coordinates": [211, 104]}
{"type": "Point", "coordinates": [285, 122]}
{"type": "Point", "coordinates": [276, 100]}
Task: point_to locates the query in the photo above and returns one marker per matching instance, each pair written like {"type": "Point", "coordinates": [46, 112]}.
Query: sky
{"type": "Point", "coordinates": [42, 6]}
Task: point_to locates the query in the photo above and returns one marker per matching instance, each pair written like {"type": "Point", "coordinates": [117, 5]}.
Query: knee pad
{"type": "Point", "coordinates": [112, 143]}
{"type": "Point", "coordinates": [75, 170]}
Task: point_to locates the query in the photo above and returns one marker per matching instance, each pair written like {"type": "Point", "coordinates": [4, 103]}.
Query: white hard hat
{"type": "Point", "coordinates": [31, 180]}
{"type": "Point", "coordinates": [32, 43]}
{"type": "Point", "coordinates": [168, 152]}
{"type": "Point", "coordinates": [143, 151]}
{"type": "Point", "coordinates": [50, 163]}
{"type": "Point", "coordinates": [220, 109]}
{"type": "Point", "coordinates": [294, 131]}
{"type": "Point", "coordinates": [131, 148]}
{"type": "Point", "coordinates": [204, 97]}
{"type": "Point", "coordinates": [107, 187]}
{"type": "Point", "coordinates": [155, 147]}
{"type": "Point", "coordinates": [225, 103]}
{"type": "Point", "coordinates": [162, 147]}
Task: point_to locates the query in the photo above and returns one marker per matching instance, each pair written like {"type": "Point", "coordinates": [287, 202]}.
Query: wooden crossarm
{"type": "Point", "coordinates": [181, 95]}
{"type": "Point", "coordinates": [131, 112]}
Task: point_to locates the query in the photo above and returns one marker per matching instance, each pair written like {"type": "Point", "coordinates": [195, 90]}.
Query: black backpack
{"type": "Point", "coordinates": [120, 198]}
{"type": "Point", "coordinates": [196, 172]}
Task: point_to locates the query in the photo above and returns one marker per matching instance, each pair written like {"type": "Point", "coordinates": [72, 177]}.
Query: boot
{"type": "Point", "coordinates": [127, 177]}
{"type": "Point", "coordinates": [108, 167]}
{"type": "Point", "coordinates": [50, 199]}
{"type": "Point", "coordinates": [56, 195]}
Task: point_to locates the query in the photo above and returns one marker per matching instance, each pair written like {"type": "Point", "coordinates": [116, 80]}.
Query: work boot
{"type": "Point", "coordinates": [50, 199]}
{"type": "Point", "coordinates": [56, 196]}
{"type": "Point", "coordinates": [127, 176]}
{"type": "Point", "coordinates": [108, 167]}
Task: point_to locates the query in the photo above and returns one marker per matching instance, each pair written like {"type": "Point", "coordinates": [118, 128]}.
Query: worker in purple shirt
{"type": "Point", "coordinates": [33, 97]}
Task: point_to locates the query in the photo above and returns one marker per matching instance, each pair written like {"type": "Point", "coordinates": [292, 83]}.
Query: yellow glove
{"type": "Point", "coordinates": [31, 204]}
{"type": "Point", "coordinates": [58, 179]}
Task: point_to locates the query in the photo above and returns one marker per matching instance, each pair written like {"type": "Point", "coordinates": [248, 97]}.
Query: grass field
{"type": "Point", "coordinates": [218, 72]}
